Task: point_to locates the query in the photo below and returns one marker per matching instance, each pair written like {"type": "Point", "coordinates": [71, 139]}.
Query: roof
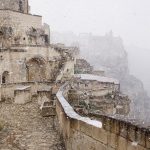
{"type": "Point", "coordinates": [97, 78]}
{"type": "Point", "coordinates": [22, 88]}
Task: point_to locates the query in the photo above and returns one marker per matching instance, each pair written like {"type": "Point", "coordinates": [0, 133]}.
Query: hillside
{"type": "Point", "coordinates": [108, 53]}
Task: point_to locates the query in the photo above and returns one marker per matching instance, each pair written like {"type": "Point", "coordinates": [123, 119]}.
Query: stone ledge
{"type": "Point", "coordinates": [114, 132]}
{"type": "Point", "coordinates": [69, 111]}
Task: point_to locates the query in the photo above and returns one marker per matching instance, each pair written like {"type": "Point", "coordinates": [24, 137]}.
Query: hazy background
{"type": "Point", "coordinates": [129, 19]}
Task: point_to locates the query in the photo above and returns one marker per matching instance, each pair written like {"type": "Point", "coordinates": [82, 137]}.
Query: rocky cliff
{"type": "Point", "coordinates": [108, 53]}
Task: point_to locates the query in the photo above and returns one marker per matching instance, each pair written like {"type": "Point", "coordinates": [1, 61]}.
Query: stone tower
{"type": "Point", "coordinates": [15, 5]}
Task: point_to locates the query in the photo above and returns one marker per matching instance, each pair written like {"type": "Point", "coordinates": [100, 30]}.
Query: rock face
{"type": "Point", "coordinates": [108, 52]}
{"type": "Point", "coordinates": [82, 66]}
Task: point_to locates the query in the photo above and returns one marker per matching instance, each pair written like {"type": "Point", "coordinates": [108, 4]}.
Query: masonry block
{"type": "Point", "coordinates": [122, 143]}
{"type": "Point", "coordinates": [99, 134]}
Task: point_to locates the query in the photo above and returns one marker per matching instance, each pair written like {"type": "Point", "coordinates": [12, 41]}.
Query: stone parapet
{"type": "Point", "coordinates": [107, 134]}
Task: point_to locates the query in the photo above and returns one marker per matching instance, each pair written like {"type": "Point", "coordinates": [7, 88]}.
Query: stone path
{"type": "Point", "coordinates": [26, 129]}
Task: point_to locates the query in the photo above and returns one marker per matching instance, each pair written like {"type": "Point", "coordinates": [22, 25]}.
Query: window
{"type": "Point", "coordinates": [5, 77]}
{"type": "Point", "coordinates": [21, 6]}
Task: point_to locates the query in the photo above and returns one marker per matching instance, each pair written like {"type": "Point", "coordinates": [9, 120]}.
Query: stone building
{"type": "Point", "coordinates": [111, 132]}
{"type": "Point", "coordinates": [99, 95]}
{"type": "Point", "coordinates": [82, 67]}
{"type": "Point", "coordinates": [32, 71]}
{"type": "Point", "coordinates": [25, 50]}
{"type": "Point", "coordinates": [15, 5]}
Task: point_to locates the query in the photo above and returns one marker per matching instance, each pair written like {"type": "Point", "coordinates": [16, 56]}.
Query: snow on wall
{"type": "Point", "coordinates": [72, 114]}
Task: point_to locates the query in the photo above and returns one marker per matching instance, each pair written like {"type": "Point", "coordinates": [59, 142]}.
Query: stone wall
{"type": "Point", "coordinates": [21, 26]}
{"type": "Point", "coordinates": [69, 122]}
{"type": "Point", "coordinates": [80, 133]}
{"type": "Point", "coordinates": [15, 62]}
{"type": "Point", "coordinates": [16, 5]}
{"type": "Point", "coordinates": [22, 95]}
{"type": "Point", "coordinates": [25, 50]}
{"type": "Point", "coordinates": [8, 90]}
{"type": "Point", "coordinates": [96, 87]}
{"type": "Point", "coordinates": [67, 71]}
{"type": "Point", "coordinates": [82, 66]}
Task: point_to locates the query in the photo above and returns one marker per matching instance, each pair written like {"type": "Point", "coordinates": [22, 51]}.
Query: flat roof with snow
{"type": "Point", "coordinates": [21, 88]}
{"type": "Point", "coordinates": [97, 78]}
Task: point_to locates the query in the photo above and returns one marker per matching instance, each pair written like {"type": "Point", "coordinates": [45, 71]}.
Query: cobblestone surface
{"type": "Point", "coordinates": [26, 129]}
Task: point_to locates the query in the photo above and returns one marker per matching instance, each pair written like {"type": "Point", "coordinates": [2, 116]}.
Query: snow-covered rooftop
{"type": "Point", "coordinates": [21, 88]}
{"type": "Point", "coordinates": [97, 78]}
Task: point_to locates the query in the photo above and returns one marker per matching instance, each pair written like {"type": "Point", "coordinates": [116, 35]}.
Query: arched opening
{"type": "Point", "coordinates": [36, 69]}
{"type": "Point", "coordinates": [5, 77]}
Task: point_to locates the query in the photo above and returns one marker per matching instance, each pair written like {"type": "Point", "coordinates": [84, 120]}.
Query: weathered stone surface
{"type": "Point", "coordinates": [26, 129]}
{"type": "Point", "coordinates": [114, 134]}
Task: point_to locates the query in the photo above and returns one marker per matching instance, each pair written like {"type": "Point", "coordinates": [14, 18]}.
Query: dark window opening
{"type": "Point", "coordinates": [3, 80]}
{"type": "Point", "coordinates": [46, 39]}
{"type": "Point", "coordinates": [86, 85]}
{"type": "Point", "coordinates": [5, 77]}
{"type": "Point", "coordinates": [21, 6]}
{"type": "Point", "coordinates": [1, 33]}
{"type": "Point", "coordinates": [1, 57]}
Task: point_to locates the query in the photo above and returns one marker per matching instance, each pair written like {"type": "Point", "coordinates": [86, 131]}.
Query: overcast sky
{"type": "Point", "coordinates": [128, 18]}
